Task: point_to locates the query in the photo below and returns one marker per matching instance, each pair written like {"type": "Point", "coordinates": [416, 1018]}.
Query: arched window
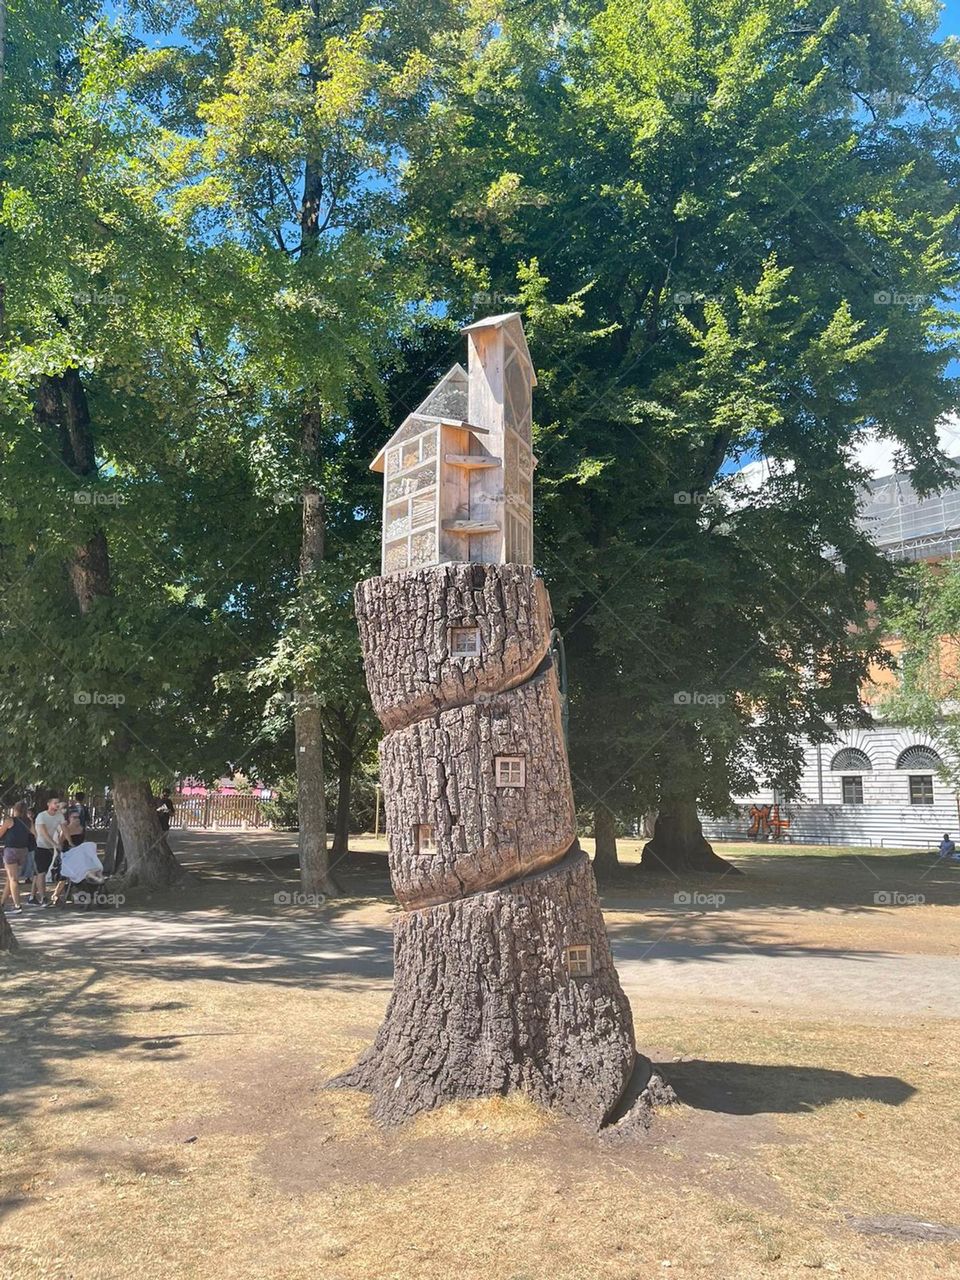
{"type": "Point", "coordinates": [918, 759]}
{"type": "Point", "coordinates": [851, 760]}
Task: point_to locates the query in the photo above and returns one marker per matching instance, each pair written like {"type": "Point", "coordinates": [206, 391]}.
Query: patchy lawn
{"type": "Point", "coordinates": [164, 1116]}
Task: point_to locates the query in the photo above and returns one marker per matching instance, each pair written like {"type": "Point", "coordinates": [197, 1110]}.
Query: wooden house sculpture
{"type": "Point", "coordinates": [503, 977]}
{"type": "Point", "coordinates": [458, 472]}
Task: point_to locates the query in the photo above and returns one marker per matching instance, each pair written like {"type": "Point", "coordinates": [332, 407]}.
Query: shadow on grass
{"type": "Point", "coordinates": [685, 939]}
{"type": "Point", "coordinates": [749, 1088]}
{"type": "Point", "coordinates": [854, 883]}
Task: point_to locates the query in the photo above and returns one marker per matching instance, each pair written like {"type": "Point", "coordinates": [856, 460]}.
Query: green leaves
{"type": "Point", "coordinates": [737, 251]}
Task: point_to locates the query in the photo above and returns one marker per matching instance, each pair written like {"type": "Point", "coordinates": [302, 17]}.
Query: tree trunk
{"type": "Point", "coordinates": [113, 848]}
{"type": "Point", "coordinates": [678, 846]}
{"type": "Point", "coordinates": [605, 862]}
{"type": "Point", "coordinates": [315, 875]}
{"type": "Point", "coordinates": [503, 977]}
{"type": "Point", "coordinates": [7, 941]}
{"type": "Point", "coordinates": [484, 1003]}
{"type": "Point", "coordinates": [61, 407]}
{"type": "Point", "coordinates": [341, 827]}
{"type": "Point", "coordinates": [149, 862]}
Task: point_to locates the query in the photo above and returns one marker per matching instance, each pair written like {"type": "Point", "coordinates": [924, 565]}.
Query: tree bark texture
{"type": "Point", "coordinates": [488, 998]}
{"type": "Point", "coordinates": [341, 824]}
{"type": "Point", "coordinates": [7, 941]}
{"type": "Point", "coordinates": [61, 406]}
{"type": "Point", "coordinates": [678, 846]}
{"type": "Point", "coordinates": [149, 862]}
{"type": "Point", "coordinates": [605, 861]}
{"type": "Point", "coordinates": [315, 875]}
{"type": "Point", "coordinates": [315, 878]}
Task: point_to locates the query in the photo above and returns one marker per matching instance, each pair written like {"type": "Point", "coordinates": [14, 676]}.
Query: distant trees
{"type": "Point", "coordinates": [122, 491]}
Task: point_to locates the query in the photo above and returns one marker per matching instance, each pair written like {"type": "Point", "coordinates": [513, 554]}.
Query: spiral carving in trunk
{"type": "Point", "coordinates": [503, 974]}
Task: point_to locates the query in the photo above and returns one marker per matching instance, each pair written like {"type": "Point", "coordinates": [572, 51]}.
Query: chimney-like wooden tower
{"type": "Point", "coordinates": [503, 974]}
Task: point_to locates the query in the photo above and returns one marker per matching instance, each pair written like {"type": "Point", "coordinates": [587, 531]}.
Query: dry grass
{"type": "Point", "coordinates": [165, 1118]}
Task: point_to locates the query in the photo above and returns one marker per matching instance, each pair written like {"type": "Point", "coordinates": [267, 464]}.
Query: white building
{"type": "Point", "coordinates": [877, 786]}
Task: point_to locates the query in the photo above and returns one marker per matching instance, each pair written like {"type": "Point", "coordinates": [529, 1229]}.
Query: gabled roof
{"type": "Point", "coordinates": [448, 399]}
{"type": "Point", "coordinates": [512, 322]}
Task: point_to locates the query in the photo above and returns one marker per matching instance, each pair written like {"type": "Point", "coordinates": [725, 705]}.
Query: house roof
{"type": "Point", "coordinates": [512, 322]}
{"type": "Point", "coordinates": [447, 400]}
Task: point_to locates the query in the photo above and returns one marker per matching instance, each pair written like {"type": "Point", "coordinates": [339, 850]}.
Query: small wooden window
{"type": "Point", "coordinates": [511, 771]}
{"type": "Point", "coordinates": [425, 838]}
{"type": "Point", "coordinates": [580, 961]}
{"type": "Point", "coordinates": [464, 641]}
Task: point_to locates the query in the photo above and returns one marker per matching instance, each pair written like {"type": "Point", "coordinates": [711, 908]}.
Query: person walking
{"type": "Point", "coordinates": [165, 809]}
{"type": "Point", "coordinates": [30, 870]}
{"type": "Point", "coordinates": [49, 828]}
{"type": "Point", "coordinates": [37, 879]}
{"type": "Point", "coordinates": [15, 840]}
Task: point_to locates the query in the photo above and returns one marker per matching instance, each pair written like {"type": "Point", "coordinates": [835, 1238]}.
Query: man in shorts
{"type": "Point", "coordinates": [49, 829]}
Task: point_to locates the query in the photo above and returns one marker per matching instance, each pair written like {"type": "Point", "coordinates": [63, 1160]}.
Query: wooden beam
{"type": "Point", "coordinates": [471, 460]}
{"type": "Point", "coordinates": [470, 527]}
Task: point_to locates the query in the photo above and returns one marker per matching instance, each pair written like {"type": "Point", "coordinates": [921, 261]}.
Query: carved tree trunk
{"type": "Point", "coordinates": [148, 860]}
{"type": "Point", "coordinates": [488, 996]}
{"type": "Point", "coordinates": [605, 836]}
{"type": "Point", "coordinates": [678, 846]}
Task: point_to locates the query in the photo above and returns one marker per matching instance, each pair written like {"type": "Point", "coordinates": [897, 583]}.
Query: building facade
{"type": "Point", "coordinates": [876, 787]}
{"type": "Point", "coordinates": [879, 786]}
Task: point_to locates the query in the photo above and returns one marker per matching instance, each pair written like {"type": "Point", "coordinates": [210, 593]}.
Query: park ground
{"type": "Point", "coordinates": [163, 1115]}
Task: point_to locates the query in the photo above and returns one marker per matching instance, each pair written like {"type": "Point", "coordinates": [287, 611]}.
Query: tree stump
{"type": "Point", "coordinates": [504, 979]}
{"type": "Point", "coordinates": [7, 941]}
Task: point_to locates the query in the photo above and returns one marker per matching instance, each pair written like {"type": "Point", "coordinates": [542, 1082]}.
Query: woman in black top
{"type": "Point", "coordinates": [15, 839]}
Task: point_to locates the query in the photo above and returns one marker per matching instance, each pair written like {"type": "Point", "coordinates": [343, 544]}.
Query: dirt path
{"type": "Point", "coordinates": [805, 963]}
{"type": "Point", "coordinates": [164, 1066]}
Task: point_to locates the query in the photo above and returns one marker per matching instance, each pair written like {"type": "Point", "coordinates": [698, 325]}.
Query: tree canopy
{"type": "Point", "coordinates": [731, 230]}
{"type": "Point", "coordinates": [235, 238]}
